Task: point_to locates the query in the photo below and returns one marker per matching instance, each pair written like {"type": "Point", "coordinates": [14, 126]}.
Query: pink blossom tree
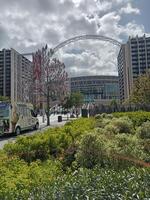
{"type": "Point", "coordinates": [50, 79]}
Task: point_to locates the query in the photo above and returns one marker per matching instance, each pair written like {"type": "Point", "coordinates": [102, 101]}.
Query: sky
{"type": "Point", "coordinates": [28, 25]}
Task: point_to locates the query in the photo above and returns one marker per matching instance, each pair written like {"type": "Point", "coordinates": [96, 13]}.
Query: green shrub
{"type": "Point", "coordinates": [129, 146]}
{"type": "Point", "coordinates": [99, 184]}
{"type": "Point", "coordinates": [52, 142]}
{"type": "Point", "coordinates": [121, 125]}
{"type": "Point", "coordinates": [103, 115]}
{"type": "Point", "coordinates": [28, 150]}
{"type": "Point", "coordinates": [69, 156]}
{"type": "Point", "coordinates": [137, 117]}
{"type": "Point", "coordinates": [91, 151]}
{"type": "Point", "coordinates": [101, 123]}
{"type": "Point", "coordinates": [106, 153]}
{"type": "Point", "coordinates": [110, 129]}
{"type": "Point", "coordinates": [146, 145]}
{"type": "Point", "coordinates": [144, 130]}
{"type": "Point", "coordinates": [20, 180]}
{"type": "Point", "coordinates": [98, 116]}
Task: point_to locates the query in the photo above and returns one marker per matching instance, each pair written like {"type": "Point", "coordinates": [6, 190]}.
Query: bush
{"type": "Point", "coordinates": [121, 125]}
{"type": "Point", "coordinates": [52, 142]}
{"type": "Point", "coordinates": [115, 125]}
{"type": "Point", "coordinates": [22, 181]}
{"type": "Point", "coordinates": [91, 151]}
{"type": "Point", "coordinates": [106, 153]}
{"type": "Point", "coordinates": [69, 156]}
{"type": "Point", "coordinates": [103, 115]}
{"type": "Point", "coordinates": [144, 130]}
{"type": "Point", "coordinates": [101, 123]}
{"type": "Point", "coordinates": [31, 148]}
{"type": "Point", "coordinates": [137, 117]}
{"type": "Point", "coordinates": [98, 116]}
{"type": "Point", "coordinates": [99, 184]}
{"type": "Point", "coordinates": [129, 146]}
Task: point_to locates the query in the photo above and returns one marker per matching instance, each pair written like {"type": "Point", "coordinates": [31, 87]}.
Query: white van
{"type": "Point", "coordinates": [17, 117]}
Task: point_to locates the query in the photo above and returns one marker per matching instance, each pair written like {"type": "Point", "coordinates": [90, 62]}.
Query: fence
{"type": "Point", "coordinates": [98, 109]}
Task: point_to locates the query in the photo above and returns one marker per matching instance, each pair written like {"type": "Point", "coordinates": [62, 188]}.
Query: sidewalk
{"type": "Point", "coordinates": [53, 120]}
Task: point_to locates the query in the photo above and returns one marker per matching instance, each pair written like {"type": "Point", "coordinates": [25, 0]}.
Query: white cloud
{"type": "Point", "coordinates": [129, 9]}
{"type": "Point", "coordinates": [132, 29]}
{"type": "Point", "coordinates": [109, 25]}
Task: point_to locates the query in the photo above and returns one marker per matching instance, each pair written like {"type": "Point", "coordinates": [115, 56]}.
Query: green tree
{"type": "Point", "coordinates": [75, 99]}
{"type": "Point", "coordinates": [4, 98]}
{"type": "Point", "coordinates": [114, 104]}
{"type": "Point", "coordinates": [141, 89]}
{"type": "Point", "coordinates": [67, 103]}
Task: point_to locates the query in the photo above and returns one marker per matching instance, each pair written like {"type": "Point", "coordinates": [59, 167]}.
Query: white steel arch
{"type": "Point", "coordinates": [84, 37]}
{"type": "Point", "coordinates": [77, 38]}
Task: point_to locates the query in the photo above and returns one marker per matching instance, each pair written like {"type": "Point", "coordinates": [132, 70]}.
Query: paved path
{"type": "Point", "coordinates": [53, 123]}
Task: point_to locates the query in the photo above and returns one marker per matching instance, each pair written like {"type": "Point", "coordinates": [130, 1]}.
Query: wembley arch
{"type": "Point", "coordinates": [78, 38]}
{"type": "Point", "coordinates": [84, 37]}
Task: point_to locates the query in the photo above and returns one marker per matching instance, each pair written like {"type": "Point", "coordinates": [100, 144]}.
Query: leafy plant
{"type": "Point", "coordinates": [91, 151]}
{"type": "Point", "coordinates": [122, 125]}
{"type": "Point", "coordinates": [136, 117]}
{"type": "Point", "coordinates": [144, 130]}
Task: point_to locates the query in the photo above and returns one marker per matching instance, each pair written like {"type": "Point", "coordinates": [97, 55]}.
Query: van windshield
{"type": "Point", "coordinates": [4, 110]}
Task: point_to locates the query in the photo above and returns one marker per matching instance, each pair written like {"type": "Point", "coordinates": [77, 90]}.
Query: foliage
{"type": "Point", "coordinates": [114, 105]}
{"type": "Point", "coordinates": [144, 130]}
{"type": "Point", "coordinates": [20, 181]}
{"type": "Point", "coordinates": [130, 147]}
{"type": "Point", "coordinates": [47, 181]}
{"type": "Point", "coordinates": [117, 151]}
{"type": "Point", "coordinates": [91, 151]}
{"type": "Point", "coordinates": [141, 89]}
{"type": "Point", "coordinates": [53, 142]}
{"type": "Point", "coordinates": [93, 158]}
{"type": "Point", "coordinates": [122, 125]}
{"type": "Point", "coordinates": [104, 115]}
{"type": "Point", "coordinates": [137, 117]}
{"type": "Point", "coordinates": [114, 125]}
{"type": "Point", "coordinates": [75, 99]}
{"type": "Point", "coordinates": [4, 98]}
{"type": "Point", "coordinates": [98, 184]}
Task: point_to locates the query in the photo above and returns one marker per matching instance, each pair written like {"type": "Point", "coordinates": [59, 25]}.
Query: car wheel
{"type": "Point", "coordinates": [18, 131]}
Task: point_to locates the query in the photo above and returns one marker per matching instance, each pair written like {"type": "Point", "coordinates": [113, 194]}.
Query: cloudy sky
{"type": "Point", "coordinates": [27, 25]}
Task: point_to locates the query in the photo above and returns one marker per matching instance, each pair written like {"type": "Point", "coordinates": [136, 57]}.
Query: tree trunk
{"type": "Point", "coordinates": [48, 107]}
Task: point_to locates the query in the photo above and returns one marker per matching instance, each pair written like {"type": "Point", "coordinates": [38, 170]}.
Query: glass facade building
{"type": "Point", "coordinates": [100, 89]}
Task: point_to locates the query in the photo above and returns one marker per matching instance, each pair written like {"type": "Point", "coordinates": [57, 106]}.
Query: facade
{"type": "Point", "coordinates": [5, 73]}
{"type": "Point", "coordinates": [133, 60]}
{"type": "Point", "coordinates": [98, 89]}
{"type": "Point", "coordinates": [15, 76]}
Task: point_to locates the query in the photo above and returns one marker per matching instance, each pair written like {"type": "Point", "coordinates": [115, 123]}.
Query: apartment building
{"type": "Point", "coordinates": [133, 60]}
{"type": "Point", "coordinates": [15, 76]}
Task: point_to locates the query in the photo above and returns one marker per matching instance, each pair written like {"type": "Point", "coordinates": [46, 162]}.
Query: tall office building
{"type": "Point", "coordinates": [133, 60]}
{"type": "Point", "coordinates": [97, 89]}
{"type": "Point", "coordinates": [15, 76]}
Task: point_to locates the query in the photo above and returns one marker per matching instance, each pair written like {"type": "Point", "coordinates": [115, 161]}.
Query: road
{"type": "Point", "coordinates": [53, 121]}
